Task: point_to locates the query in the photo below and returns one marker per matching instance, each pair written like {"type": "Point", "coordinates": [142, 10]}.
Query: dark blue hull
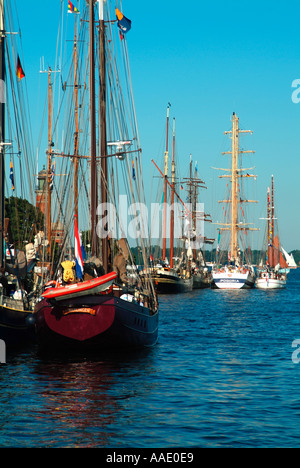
{"type": "Point", "coordinates": [115, 324]}
{"type": "Point", "coordinates": [16, 326]}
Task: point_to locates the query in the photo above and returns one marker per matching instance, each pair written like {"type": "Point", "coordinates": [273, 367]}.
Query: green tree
{"type": "Point", "coordinates": [25, 220]}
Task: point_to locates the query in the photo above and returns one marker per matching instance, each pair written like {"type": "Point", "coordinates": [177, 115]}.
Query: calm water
{"type": "Point", "coordinates": [222, 375]}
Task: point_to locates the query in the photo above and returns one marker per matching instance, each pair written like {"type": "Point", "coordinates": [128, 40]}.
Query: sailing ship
{"type": "Point", "coordinates": [169, 280]}
{"type": "Point", "coordinates": [16, 300]}
{"type": "Point", "coordinates": [98, 307]}
{"type": "Point", "coordinates": [195, 238]}
{"type": "Point", "coordinates": [274, 273]}
{"type": "Point", "coordinates": [173, 276]}
{"type": "Point", "coordinates": [236, 273]}
{"type": "Point", "coordinates": [289, 259]}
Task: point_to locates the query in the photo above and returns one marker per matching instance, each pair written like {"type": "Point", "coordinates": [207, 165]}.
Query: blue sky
{"type": "Point", "coordinates": [208, 59]}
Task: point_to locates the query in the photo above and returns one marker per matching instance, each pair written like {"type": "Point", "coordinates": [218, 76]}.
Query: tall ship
{"type": "Point", "coordinates": [18, 217]}
{"type": "Point", "coordinates": [272, 274]}
{"type": "Point", "coordinates": [171, 276]}
{"type": "Point", "coordinates": [236, 271]}
{"type": "Point", "coordinates": [90, 299]}
{"type": "Point", "coordinates": [194, 235]}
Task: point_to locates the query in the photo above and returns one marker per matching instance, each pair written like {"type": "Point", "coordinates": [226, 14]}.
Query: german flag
{"type": "Point", "coordinates": [20, 72]}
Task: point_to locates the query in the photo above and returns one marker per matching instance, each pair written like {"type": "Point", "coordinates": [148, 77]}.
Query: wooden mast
{"type": "Point", "coordinates": [234, 189]}
{"type": "Point", "coordinates": [235, 200]}
{"type": "Point", "coordinates": [49, 161]}
{"type": "Point", "coordinates": [191, 178]}
{"type": "Point", "coordinates": [193, 184]}
{"type": "Point", "coordinates": [172, 201]}
{"type": "Point", "coordinates": [194, 208]}
{"type": "Point", "coordinates": [272, 222]}
{"type": "Point", "coordinates": [49, 182]}
{"type": "Point", "coordinates": [269, 233]}
{"type": "Point", "coordinates": [2, 129]}
{"type": "Point", "coordinates": [103, 141]}
{"type": "Point", "coordinates": [76, 160]}
{"type": "Point", "coordinates": [271, 226]}
{"type": "Point", "coordinates": [93, 130]}
{"type": "Point", "coordinates": [166, 188]}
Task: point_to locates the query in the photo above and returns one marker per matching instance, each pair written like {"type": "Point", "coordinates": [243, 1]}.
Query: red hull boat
{"type": "Point", "coordinates": [95, 321]}
{"type": "Point", "coordinates": [103, 312]}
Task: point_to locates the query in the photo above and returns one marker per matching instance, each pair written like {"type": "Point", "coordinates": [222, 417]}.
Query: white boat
{"type": "Point", "coordinates": [271, 280]}
{"type": "Point", "coordinates": [234, 278]}
{"type": "Point", "coordinates": [273, 270]}
{"type": "Point", "coordinates": [238, 274]}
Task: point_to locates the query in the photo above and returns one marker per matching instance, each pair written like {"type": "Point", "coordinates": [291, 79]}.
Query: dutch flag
{"type": "Point", "coordinates": [79, 252]}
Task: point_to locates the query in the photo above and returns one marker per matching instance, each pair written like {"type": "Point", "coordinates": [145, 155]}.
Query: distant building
{"type": "Point", "coordinates": [58, 232]}
{"type": "Point", "coordinates": [41, 190]}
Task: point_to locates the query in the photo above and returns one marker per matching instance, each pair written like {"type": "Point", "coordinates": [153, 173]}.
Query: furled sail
{"type": "Point", "coordinates": [275, 256]}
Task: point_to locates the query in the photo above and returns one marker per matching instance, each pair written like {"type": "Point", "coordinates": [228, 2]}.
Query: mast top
{"type": "Point", "coordinates": [1, 15]}
{"type": "Point", "coordinates": [101, 9]}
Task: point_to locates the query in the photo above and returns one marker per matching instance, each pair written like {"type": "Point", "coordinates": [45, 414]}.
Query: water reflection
{"type": "Point", "coordinates": [82, 396]}
{"type": "Point", "coordinates": [221, 375]}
